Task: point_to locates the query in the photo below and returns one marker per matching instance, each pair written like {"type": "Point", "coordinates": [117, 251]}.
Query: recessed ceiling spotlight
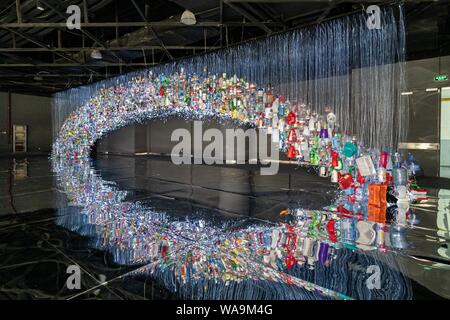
{"type": "Point", "coordinates": [188, 18]}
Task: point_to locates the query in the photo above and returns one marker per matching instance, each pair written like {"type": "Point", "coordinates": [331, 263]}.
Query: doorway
{"type": "Point", "coordinates": [19, 138]}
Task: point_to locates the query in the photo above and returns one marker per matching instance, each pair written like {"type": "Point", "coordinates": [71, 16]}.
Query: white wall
{"type": "Point", "coordinates": [445, 133]}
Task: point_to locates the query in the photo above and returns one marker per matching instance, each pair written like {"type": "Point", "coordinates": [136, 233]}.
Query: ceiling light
{"type": "Point", "coordinates": [97, 55]}
{"type": "Point", "coordinates": [431, 89]}
{"type": "Point", "coordinates": [407, 93]}
{"type": "Point", "coordinates": [39, 6]}
{"type": "Point", "coordinates": [188, 18]}
{"type": "Point", "coordinates": [38, 76]}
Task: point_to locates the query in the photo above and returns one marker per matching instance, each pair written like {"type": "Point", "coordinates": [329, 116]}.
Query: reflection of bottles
{"type": "Point", "coordinates": [334, 176]}
{"type": "Point", "coordinates": [402, 210]}
{"type": "Point", "coordinates": [402, 204]}
{"type": "Point", "coordinates": [398, 237]}
{"type": "Point", "coordinates": [348, 232]}
{"type": "Point", "coordinates": [323, 252]}
{"type": "Point", "coordinates": [359, 194]}
{"type": "Point", "coordinates": [380, 237]}
{"type": "Point", "coordinates": [309, 251]}
{"type": "Point", "coordinates": [443, 221]}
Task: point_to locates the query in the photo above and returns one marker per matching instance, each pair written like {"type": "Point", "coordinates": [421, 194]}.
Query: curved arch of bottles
{"type": "Point", "coordinates": [201, 259]}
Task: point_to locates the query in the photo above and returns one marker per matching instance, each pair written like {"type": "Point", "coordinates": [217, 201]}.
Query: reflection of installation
{"type": "Point", "coordinates": [199, 258]}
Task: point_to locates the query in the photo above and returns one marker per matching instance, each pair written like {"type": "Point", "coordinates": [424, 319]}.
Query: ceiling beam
{"type": "Point", "coordinates": [62, 25]}
{"type": "Point", "coordinates": [35, 84]}
{"type": "Point", "coordinates": [64, 17]}
{"type": "Point", "coordinates": [327, 11]}
{"type": "Point", "coordinates": [42, 83]}
{"type": "Point", "coordinates": [323, 1]}
{"type": "Point", "coordinates": [39, 43]}
{"type": "Point", "coordinates": [248, 16]}
{"type": "Point", "coordinates": [56, 75]}
{"type": "Point", "coordinates": [272, 13]}
{"type": "Point", "coordinates": [70, 65]}
{"type": "Point", "coordinates": [256, 11]}
{"type": "Point", "coordinates": [149, 27]}
{"type": "Point", "coordinates": [45, 46]}
{"type": "Point", "coordinates": [306, 14]}
{"type": "Point", "coordinates": [85, 32]}
{"type": "Point", "coordinates": [18, 11]}
{"type": "Point", "coordinates": [27, 90]}
{"type": "Point", "coordinates": [126, 48]}
{"type": "Point", "coordinates": [13, 57]}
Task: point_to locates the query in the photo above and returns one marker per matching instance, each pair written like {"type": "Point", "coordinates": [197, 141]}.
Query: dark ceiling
{"type": "Point", "coordinates": [39, 55]}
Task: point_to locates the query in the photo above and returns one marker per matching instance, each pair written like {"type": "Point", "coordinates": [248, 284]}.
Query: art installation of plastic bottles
{"type": "Point", "coordinates": [324, 64]}
{"type": "Point", "coordinates": [370, 212]}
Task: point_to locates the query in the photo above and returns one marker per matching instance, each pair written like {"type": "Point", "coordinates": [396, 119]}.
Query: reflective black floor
{"type": "Point", "coordinates": [35, 250]}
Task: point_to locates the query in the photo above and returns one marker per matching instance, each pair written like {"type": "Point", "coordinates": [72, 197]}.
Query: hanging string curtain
{"type": "Point", "coordinates": [341, 63]}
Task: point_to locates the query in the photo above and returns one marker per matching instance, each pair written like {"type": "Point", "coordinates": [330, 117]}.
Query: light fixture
{"type": "Point", "coordinates": [431, 89]}
{"type": "Point", "coordinates": [188, 18]}
{"type": "Point", "coordinates": [38, 76]}
{"type": "Point", "coordinates": [39, 6]}
{"type": "Point", "coordinates": [97, 55]}
{"type": "Point", "coordinates": [407, 93]}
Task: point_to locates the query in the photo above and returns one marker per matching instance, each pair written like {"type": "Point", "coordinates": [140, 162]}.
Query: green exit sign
{"type": "Point", "coordinates": [441, 77]}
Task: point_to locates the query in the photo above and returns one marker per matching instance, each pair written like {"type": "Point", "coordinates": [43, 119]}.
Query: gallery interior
{"type": "Point", "coordinates": [224, 150]}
